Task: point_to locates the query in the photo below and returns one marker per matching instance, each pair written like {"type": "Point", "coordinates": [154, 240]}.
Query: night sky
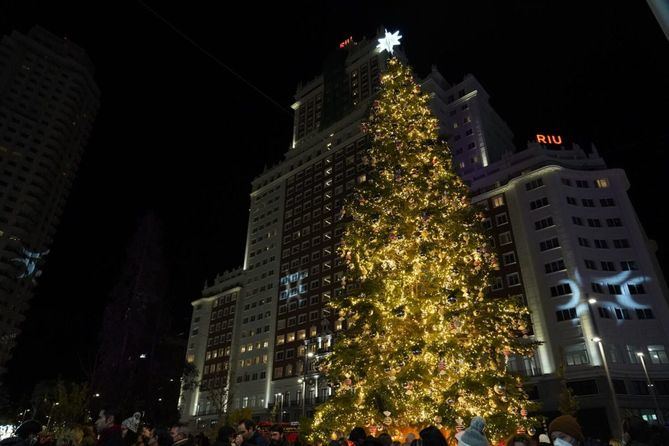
{"type": "Point", "coordinates": [179, 135]}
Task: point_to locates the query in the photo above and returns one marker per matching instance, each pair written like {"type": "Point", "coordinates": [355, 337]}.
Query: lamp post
{"type": "Point", "coordinates": [307, 355]}
{"type": "Point", "coordinates": [598, 340]}
{"type": "Point", "coordinates": [651, 387]}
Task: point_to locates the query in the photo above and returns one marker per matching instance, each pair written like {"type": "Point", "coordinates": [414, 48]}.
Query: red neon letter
{"type": "Point", "coordinates": [541, 138]}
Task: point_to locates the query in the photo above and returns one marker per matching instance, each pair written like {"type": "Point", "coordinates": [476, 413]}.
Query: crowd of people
{"type": "Point", "coordinates": [110, 430]}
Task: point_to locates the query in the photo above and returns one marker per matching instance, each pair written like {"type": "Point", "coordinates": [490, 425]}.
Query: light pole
{"type": "Point", "coordinates": [598, 340]}
{"type": "Point", "coordinates": [651, 387]}
{"type": "Point", "coordinates": [307, 355]}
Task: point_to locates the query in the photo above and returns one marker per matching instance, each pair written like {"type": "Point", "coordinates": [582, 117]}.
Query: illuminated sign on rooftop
{"type": "Point", "coordinates": [346, 42]}
{"type": "Point", "coordinates": [549, 139]}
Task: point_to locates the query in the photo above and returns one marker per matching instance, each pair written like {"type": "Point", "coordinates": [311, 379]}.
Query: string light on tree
{"type": "Point", "coordinates": [423, 341]}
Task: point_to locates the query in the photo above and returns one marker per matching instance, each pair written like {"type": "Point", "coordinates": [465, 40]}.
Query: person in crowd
{"type": "Point", "coordinates": [276, 436]}
{"type": "Point", "coordinates": [431, 436]}
{"type": "Point", "coordinates": [636, 431]}
{"type": "Point", "coordinates": [201, 439]}
{"type": "Point", "coordinates": [357, 436]}
{"type": "Point", "coordinates": [226, 436]}
{"type": "Point", "coordinates": [659, 435]}
{"type": "Point", "coordinates": [386, 439]}
{"type": "Point", "coordinates": [249, 435]}
{"type": "Point", "coordinates": [89, 438]}
{"type": "Point", "coordinates": [109, 428]}
{"type": "Point", "coordinates": [473, 435]}
{"type": "Point", "coordinates": [147, 435]}
{"type": "Point", "coordinates": [565, 431]}
{"type": "Point", "coordinates": [180, 435]}
{"type": "Point", "coordinates": [163, 437]}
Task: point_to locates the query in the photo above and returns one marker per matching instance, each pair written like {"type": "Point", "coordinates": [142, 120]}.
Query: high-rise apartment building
{"type": "Point", "coordinates": [291, 268]}
{"type": "Point", "coordinates": [48, 101]}
{"type": "Point", "coordinates": [205, 392]}
{"type": "Point", "coordinates": [569, 244]}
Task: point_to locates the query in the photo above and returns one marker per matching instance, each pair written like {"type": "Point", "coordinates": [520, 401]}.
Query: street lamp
{"type": "Point", "coordinates": [307, 355]}
{"type": "Point", "coordinates": [616, 409]}
{"type": "Point", "coordinates": [598, 340]}
{"type": "Point", "coordinates": [651, 387]}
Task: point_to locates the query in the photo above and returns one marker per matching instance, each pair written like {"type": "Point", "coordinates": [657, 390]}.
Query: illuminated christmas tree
{"type": "Point", "coordinates": [424, 343]}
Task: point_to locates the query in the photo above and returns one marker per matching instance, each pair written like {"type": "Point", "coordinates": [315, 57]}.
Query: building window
{"type": "Point", "coordinates": [560, 290]}
{"type": "Point", "coordinates": [572, 201]}
{"type": "Point", "coordinates": [509, 258]}
{"type": "Point", "coordinates": [658, 355]}
{"type": "Point", "coordinates": [637, 288]}
{"type": "Point", "coordinates": [615, 289]}
{"type": "Point", "coordinates": [629, 265]}
{"type": "Point", "coordinates": [566, 181]}
{"type": "Point", "coordinates": [644, 313]}
{"type": "Point", "coordinates": [604, 312]}
{"type": "Point", "coordinates": [623, 314]}
{"type": "Point", "coordinates": [601, 244]}
{"type": "Point", "coordinates": [621, 243]}
{"type": "Point", "coordinates": [549, 244]}
{"type": "Point", "coordinates": [534, 184]}
{"type": "Point", "coordinates": [577, 221]}
{"type": "Point", "coordinates": [632, 354]}
{"type": "Point", "coordinates": [602, 183]}
{"type": "Point", "coordinates": [487, 223]}
{"type": "Point", "coordinates": [513, 279]}
{"type": "Point", "coordinates": [607, 202]}
{"type": "Point", "coordinates": [608, 266]}
{"type": "Point", "coordinates": [552, 267]}
{"type": "Point", "coordinates": [576, 355]}
{"type": "Point", "coordinates": [536, 204]}
{"type": "Point", "coordinates": [594, 223]}
{"type": "Point", "coordinates": [505, 238]}
{"type": "Point", "coordinates": [588, 203]}
{"type": "Point", "coordinates": [583, 242]}
{"type": "Point", "coordinates": [565, 315]}
{"type": "Point", "coordinates": [543, 223]}
{"type": "Point", "coordinates": [597, 287]}
{"type": "Point", "coordinates": [614, 222]}
{"type": "Point", "coordinates": [497, 283]}
{"type": "Point", "coordinates": [498, 201]}
{"type": "Point", "coordinates": [582, 184]}
{"type": "Point", "coordinates": [501, 219]}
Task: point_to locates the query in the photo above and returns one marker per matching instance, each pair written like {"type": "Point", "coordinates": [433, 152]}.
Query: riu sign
{"type": "Point", "coordinates": [549, 139]}
{"type": "Point", "coordinates": [346, 42]}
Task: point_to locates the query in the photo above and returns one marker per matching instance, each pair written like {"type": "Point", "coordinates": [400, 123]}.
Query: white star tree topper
{"type": "Point", "coordinates": [387, 42]}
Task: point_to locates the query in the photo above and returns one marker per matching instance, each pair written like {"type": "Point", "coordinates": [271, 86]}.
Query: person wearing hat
{"type": "Point", "coordinates": [565, 431]}
{"type": "Point", "coordinates": [25, 434]}
{"type": "Point", "coordinates": [473, 435]}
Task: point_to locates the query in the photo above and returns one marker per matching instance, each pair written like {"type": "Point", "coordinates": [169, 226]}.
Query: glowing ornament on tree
{"type": "Point", "coordinates": [387, 420]}
{"type": "Point", "coordinates": [441, 367]}
{"type": "Point", "coordinates": [499, 389]}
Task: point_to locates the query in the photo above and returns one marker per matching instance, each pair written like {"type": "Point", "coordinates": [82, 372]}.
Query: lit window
{"type": "Point", "coordinates": [658, 355]}
{"type": "Point", "coordinates": [602, 183]}
{"type": "Point", "coordinates": [498, 201]}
